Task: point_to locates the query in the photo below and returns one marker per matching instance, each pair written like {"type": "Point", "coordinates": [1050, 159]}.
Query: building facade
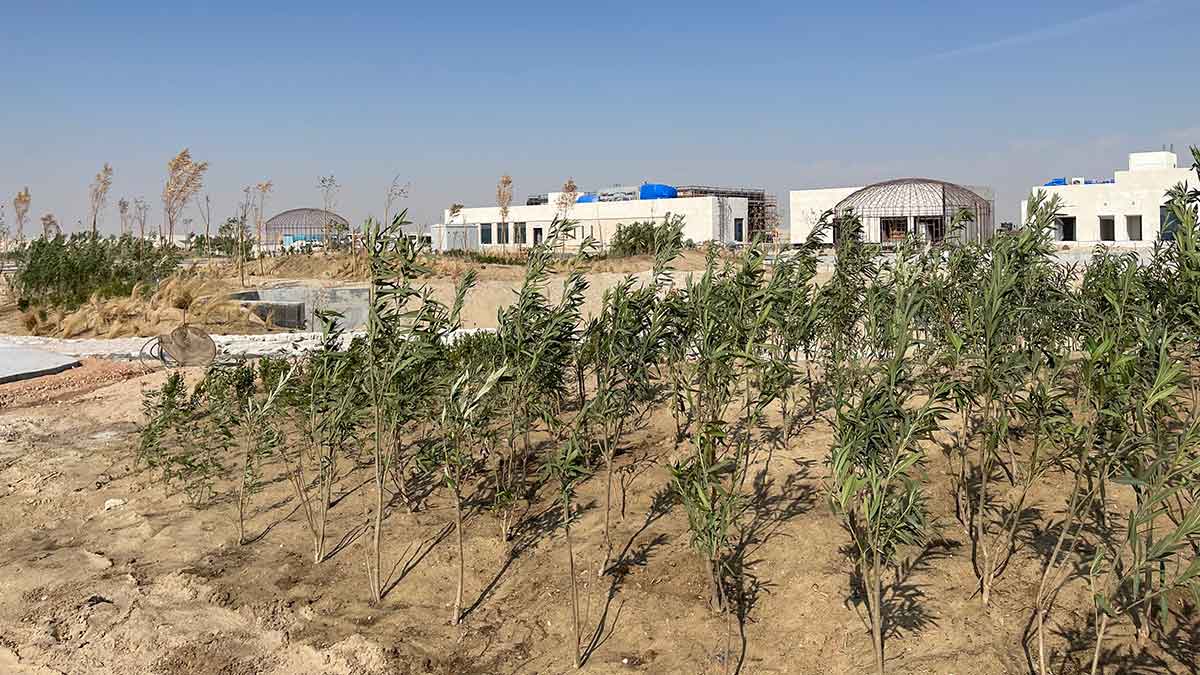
{"type": "Point", "coordinates": [706, 218]}
{"type": "Point", "coordinates": [894, 209]}
{"type": "Point", "coordinates": [1128, 208]}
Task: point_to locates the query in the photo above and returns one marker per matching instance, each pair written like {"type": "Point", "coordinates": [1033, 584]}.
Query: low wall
{"type": "Point", "coordinates": [297, 306]}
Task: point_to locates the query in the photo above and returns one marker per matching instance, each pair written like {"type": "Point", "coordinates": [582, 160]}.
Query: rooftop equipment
{"type": "Point", "coordinates": [657, 191]}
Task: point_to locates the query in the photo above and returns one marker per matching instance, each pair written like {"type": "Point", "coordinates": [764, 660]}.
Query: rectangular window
{"type": "Point", "coordinates": [893, 229]}
{"type": "Point", "coordinates": [1066, 228]}
{"type": "Point", "coordinates": [738, 225]}
{"type": "Point", "coordinates": [485, 233]}
{"type": "Point", "coordinates": [1167, 224]}
{"type": "Point", "coordinates": [1108, 228]}
{"type": "Point", "coordinates": [502, 233]}
{"type": "Point", "coordinates": [519, 233]}
{"type": "Point", "coordinates": [537, 236]}
{"type": "Point", "coordinates": [1133, 228]}
{"type": "Point", "coordinates": [934, 228]}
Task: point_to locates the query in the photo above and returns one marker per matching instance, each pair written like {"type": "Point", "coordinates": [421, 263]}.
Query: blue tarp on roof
{"type": "Point", "coordinates": [657, 191]}
{"type": "Point", "coordinates": [1055, 181]}
{"type": "Point", "coordinates": [585, 199]}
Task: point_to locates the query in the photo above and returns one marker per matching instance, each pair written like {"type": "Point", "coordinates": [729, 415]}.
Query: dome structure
{"type": "Point", "coordinates": [926, 208]}
{"type": "Point", "coordinates": [302, 225]}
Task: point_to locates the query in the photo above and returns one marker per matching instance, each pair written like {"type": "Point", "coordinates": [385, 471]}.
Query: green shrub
{"type": "Point", "coordinates": [66, 271]}
{"type": "Point", "coordinates": [517, 257]}
{"type": "Point", "coordinates": [639, 238]}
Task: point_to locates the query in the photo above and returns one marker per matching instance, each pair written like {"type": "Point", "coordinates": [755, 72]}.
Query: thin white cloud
{"type": "Point", "coordinates": [1058, 30]}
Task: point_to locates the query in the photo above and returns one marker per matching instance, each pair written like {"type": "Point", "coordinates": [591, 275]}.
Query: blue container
{"type": "Point", "coordinates": [1055, 181]}
{"type": "Point", "coordinates": [657, 191]}
{"type": "Point", "coordinates": [585, 199]}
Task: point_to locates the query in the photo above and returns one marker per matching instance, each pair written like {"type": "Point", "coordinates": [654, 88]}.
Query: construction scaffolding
{"type": "Point", "coordinates": [762, 209]}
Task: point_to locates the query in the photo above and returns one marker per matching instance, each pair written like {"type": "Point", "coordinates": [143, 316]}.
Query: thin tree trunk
{"type": "Point", "coordinates": [574, 589]}
{"type": "Point", "coordinates": [876, 594]}
{"type": "Point", "coordinates": [715, 597]}
{"type": "Point", "coordinates": [377, 591]}
{"type": "Point", "coordinates": [241, 497]}
{"type": "Point", "coordinates": [326, 496]}
{"type": "Point", "coordinates": [1099, 641]}
{"type": "Point", "coordinates": [458, 596]}
{"type": "Point", "coordinates": [1041, 639]}
{"type": "Point", "coordinates": [608, 546]}
{"type": "Point", "coordinates": [985, 571]}
{"type": "Point", "coordinates": [1051, 565]}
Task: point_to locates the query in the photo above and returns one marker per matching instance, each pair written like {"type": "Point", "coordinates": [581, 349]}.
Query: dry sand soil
{"type": "Point", "coordinates": [104, 571]}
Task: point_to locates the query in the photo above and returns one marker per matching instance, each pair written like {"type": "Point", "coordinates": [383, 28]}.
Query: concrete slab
{"type": "Point", "coordinates": [23, 363]}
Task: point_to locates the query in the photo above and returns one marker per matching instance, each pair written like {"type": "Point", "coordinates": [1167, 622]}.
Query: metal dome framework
{"type": "Point", "coordinates": [308, 225]}
{"type": "Point", "coordinates": [924, 207]}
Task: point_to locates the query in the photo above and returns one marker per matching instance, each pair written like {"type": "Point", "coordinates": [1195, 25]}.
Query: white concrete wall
{"type": "Point", "coordinates": [1139, 191]}
{"type": "Point", "coordinates": [806, 206]}
{"type": "Point", "coordinates": [705, 218]}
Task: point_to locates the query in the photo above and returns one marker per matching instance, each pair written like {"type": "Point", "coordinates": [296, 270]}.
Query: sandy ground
{"type": "Point", "coordinates": [102, 571]}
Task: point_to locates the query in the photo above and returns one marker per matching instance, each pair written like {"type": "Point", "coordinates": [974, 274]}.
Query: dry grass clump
{"type": "Point", "coordinates": [192, 300]}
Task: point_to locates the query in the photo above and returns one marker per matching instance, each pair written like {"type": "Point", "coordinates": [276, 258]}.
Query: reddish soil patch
{"type": "Point", "coordinates": [91, 374]}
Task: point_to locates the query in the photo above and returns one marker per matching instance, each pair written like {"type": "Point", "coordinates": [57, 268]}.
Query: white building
{"type": "Point", "coordinates": [893, 209]}
{"type": "Point", "coordinates": [1127, 208]}
{"type": "Point", "coordinates": [706, 218]}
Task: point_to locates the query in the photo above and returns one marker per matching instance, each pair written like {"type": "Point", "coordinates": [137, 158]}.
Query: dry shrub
{"type": "Point", "coordinates": [194, 300]}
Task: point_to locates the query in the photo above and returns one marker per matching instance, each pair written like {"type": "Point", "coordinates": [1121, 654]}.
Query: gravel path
{"type": "Point", "coordinates": [241, 346]}
{"type": "Point", "coordinates": [235, 346]}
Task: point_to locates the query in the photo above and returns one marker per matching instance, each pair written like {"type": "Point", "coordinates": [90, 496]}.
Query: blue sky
{"type": "Point", "coordinates": [450, 95]}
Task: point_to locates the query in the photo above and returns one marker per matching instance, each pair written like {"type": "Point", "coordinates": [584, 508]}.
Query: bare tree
{"type": "Point", "coordinates": [566, 198]}
{"type": "Point", "coordinates": [185, 177]}
{"type": "Point", "coordinates": [123, 211]}
{"type": "Point", "coordinates": [50, 228]}
{"type": "Point", "coordinates": [329, 189]}
{"type": "Point", "coordinates": [264, 188]}
{"type": "Point", "coordinates": [21, 211]}
{"type": "Point", "coordinates": [504, 195]}
{"type": "Point", "coordinates": [140, 210]}
{"type": "Point", "coordinates": [99, 194]}
{"type": "Point", "coordinates": [396, 192]}
{"type": "Point", "coordinates": [244, 208]}
{"type": "Point", "coordinates": [206, 215]}
{"type": "Point", "coordinates": [565, 202]}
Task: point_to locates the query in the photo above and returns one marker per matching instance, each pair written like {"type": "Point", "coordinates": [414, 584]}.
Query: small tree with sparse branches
{"type": "Point", "coordinates": [264, 188]}
{"type": "Point", "coordinates": [329, 188]}
{"type": "Point", "coordinates": [140, 210]}
{"type": "Point", "coordinates": [99, 195]}
{"type": "Point", "coordinates": [123, 210]}
{"type": "Point", "coordinates": [185, 177]}
{"type": "Point", "coordinates": [504, 195]}
{"type": "Point", "coordinates": [21, 211]}
{"type": "Point", "coordinates": [50, 228]}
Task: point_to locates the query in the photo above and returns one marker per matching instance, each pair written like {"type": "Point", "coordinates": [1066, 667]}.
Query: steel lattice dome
{"type": "Point", "coordinates": [930, 209]}
{"type": "Point", "coordinates": [305, 219]}
{"type": "Point", "coordinates": [913, 196]}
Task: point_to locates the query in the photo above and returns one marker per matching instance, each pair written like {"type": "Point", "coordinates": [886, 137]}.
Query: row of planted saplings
{"type": "Point", "coordinates": [1024, 370]}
